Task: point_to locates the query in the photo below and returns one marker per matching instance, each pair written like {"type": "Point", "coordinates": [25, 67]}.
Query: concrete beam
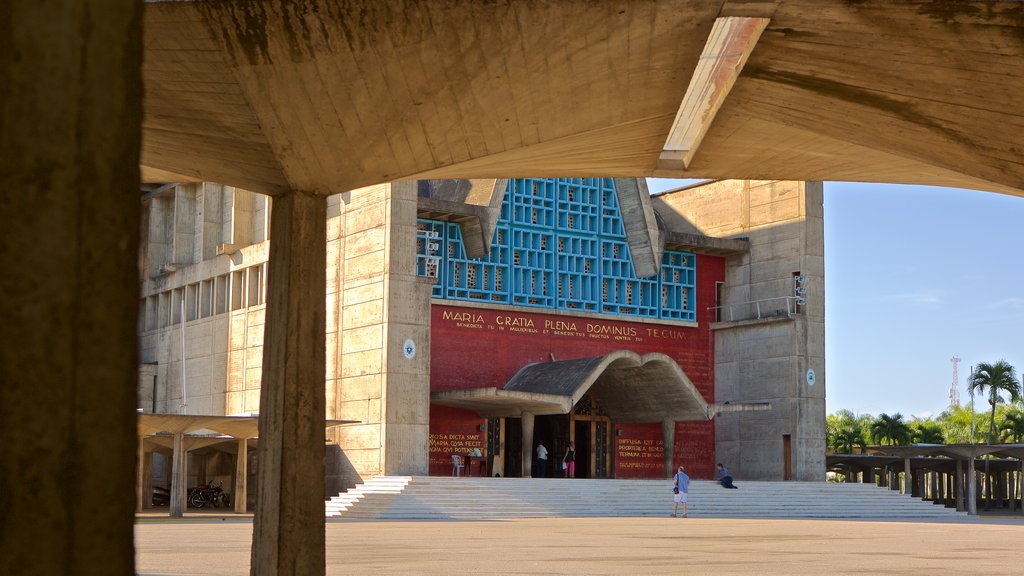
{"type": "Point", "coordinates": [288, 533]}
{"type": "Point", "coordinates": [730, 43]}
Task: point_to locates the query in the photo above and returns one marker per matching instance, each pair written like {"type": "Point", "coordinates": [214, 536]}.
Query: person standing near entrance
{"type": "Point", "coordinates": [542, 460]}
{"type": "Point", "coordinates": [569, 461]}
{"type": "Point", "coordinates": [681, 490]}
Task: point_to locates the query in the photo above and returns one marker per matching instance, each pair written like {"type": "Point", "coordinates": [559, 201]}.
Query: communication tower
{"type": "Point", "coordinates": [954, 388]}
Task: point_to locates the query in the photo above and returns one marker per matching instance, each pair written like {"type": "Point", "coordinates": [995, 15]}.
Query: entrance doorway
{"type": "Point", "coordinates": [553, 431]}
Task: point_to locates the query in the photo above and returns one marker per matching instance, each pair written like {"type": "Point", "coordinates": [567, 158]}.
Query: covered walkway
{"type": "Point", "coordinates": [176, 435]}
{"type": "Point", "coordinates": [946, 473]}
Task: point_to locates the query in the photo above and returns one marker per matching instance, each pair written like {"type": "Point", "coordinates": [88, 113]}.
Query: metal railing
{"type": "Point", "coordinates": [779, 307]}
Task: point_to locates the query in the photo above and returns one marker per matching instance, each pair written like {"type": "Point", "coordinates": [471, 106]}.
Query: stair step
{"type": "Point", "coordinates": [425, 497]}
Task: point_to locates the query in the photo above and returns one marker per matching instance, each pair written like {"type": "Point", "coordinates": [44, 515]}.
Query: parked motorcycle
{"type": "Point", "coordinates": [211, 494]}
{"type": "Point", "coordinates": [161, 496]}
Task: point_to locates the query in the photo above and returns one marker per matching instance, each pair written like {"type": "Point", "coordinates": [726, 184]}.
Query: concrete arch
{"type": "Point", "coordinates": [632, 388]}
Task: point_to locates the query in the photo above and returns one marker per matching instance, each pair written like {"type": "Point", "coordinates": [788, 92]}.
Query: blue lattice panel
{"type": "Point", "coordinates": [579, 206]}
{"type": "Point", "coordinates": [611, 219]}
{"type": "Point", "coordinates": [621, 291]}
{"type": "Point", "coordinates": [577, 264]}
{"type": "Point", "coordinates": [533, 268]}
{"type": "Point", "coordinates": [533, 202]}
{"type": "Point", "coordinates": [476, 279]}
{"type": "Point", "coordinates": [430, 243]}
{"type": "Point", "coordinates": [678, 281]}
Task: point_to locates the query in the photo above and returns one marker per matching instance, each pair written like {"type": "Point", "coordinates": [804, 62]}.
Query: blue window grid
{"type": "Point", "coordinates": [473, 279]}
{"type": "Point", "coordinates": [621, 291]}
{"type": "Point", "coordinates": [579, 206]}
{"type": "Point", "coordinates": [678, 280]}
{"type": "Point", "coordinates": [611, 219]}
{"type": "Point", "coordinates": [541, 258]}
{"type": "Point", "coordinates": [578, 279]}
{"type": "Point", "coordinates": [424, 263]}
{"type": "Point", "coordinates": [533, 268]}
{"type": "Point", "coordinates": [533, 203]}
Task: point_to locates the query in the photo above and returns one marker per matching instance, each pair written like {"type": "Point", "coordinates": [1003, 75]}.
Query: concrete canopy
{"type": "Point", "coordinates": [630, 388]}
{"type": "Point", "coordinates": [325, 97]}
{"type": "Point", "coordinates": [233, 426]}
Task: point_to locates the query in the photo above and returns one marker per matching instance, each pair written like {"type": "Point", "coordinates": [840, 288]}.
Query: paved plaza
{"type": "Point", "coordinates": [210, 545]}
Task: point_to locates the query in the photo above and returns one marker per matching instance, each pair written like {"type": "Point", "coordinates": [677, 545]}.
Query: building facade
{"type": "Point", "coordinates": [479, 318]}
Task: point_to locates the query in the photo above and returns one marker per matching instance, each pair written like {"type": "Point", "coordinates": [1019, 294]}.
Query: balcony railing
{"type": "Point", "coordinates": [780, 307]}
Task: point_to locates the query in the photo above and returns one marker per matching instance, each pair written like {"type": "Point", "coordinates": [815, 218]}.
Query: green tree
{"type": "Point", "coordinates": [993, 379]}
{"type": "Point", "coordinates": [926, 431]}
{"type": "Point", "coordinates": [956, 425]}
{"type": "Point", "coordinates": [892, 429]}
{"type": "Point", "coordinates": [1012, 426]}
{"type": "Point", "coordinates": [847, 438]}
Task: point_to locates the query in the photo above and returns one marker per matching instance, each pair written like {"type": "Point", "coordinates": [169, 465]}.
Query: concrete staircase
{"type": "Point", "coordinates": [434, 497]}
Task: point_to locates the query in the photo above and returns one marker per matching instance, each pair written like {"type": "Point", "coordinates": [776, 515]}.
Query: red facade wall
{"type": "Point", "coordinates": [452, 431]}
{"type": "Point", "coordinates": [478, 347]}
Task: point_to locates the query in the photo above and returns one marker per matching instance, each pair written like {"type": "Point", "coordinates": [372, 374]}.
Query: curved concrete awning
{"type": "Point", "coordinates": [629, 387]}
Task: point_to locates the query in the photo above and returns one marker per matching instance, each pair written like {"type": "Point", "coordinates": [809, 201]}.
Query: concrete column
{"type": "Point", "coordinates": [241, 476]}
{"type": "Point", "coordinates": [527, 456]}
{"type": "Point", "coordinates": [972, 488]}
{"type": "Point", "coordinates": [668, 435]}
{"type": "Point", "coordinates": [960, 486]}
{"type": "Point", "coordinates": [70, 110]}
{"type": "Point", "coordinates": [1020, 486]}
{"type": "Point", "coordinates": [907, 486]}
{"type": "Point", "coordinates": [288, 531]}
{"type": "Point", "coordinates": [179, 463]}
{"type": "Point", "coordinates": [140, 475]}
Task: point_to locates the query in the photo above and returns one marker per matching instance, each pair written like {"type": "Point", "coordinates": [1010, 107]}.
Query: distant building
{"type": "Point", "coordinates": [484, 316]}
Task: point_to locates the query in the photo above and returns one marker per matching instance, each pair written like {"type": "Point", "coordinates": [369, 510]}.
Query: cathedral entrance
{"type": "Point", "coordinates": [591, 433]}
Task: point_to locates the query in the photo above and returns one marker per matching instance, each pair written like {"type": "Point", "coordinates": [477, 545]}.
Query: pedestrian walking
{"type": "Point", "coordinates": [680, 490]}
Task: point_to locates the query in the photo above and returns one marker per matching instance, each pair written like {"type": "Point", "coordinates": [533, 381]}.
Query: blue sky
{"type": "Point", "coordinates": [913, 276]}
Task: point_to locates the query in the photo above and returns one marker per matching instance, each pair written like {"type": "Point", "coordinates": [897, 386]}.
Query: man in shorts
{"type": "Point", "coordinates": [681, 489]}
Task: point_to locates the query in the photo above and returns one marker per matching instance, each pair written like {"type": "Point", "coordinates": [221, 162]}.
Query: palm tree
{"type": "Point", "coordinates": [844, 440]}
{"type": "Point", "coordinates": [1012, 427]}
{"type": "Point", "coordinates": [891, 428]}
{"type": "Point", "coordinates": [926, 432]}
{"type": "Point", "coordinates": [995, 378]}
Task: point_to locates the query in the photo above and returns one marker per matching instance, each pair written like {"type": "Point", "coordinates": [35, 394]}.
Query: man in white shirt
{"type": "Point", "coordinates": [542, 461]}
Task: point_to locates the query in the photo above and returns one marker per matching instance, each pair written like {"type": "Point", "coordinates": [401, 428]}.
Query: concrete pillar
{"type": "Point", "coordinates": [960, 486]}
{"type": "Point", "coordinates": [70, 111]}
{"type": "Point", "coordinates": [288, 531]}
{"type": "Point", "coordinates": [179, 474]}
{"type": "Point", "coordinates": [972, 488]}
{"type": "Point", "coordinates": [906, 476]}
{"type": "Point", "coordinates": [241, 494]}
{"type": "Point", "coordinates": [527, 419]}
{"type": "Point", "coordinates": [668, 435]}
{"type": "Point", "coordinates": [140, 475]}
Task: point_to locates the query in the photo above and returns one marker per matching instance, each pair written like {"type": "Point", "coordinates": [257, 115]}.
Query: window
{"type": "Point", "coordinates": [238, 289]}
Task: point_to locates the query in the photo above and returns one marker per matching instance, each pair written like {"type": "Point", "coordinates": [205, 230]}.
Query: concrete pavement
{"type": "Point", "coordinates": [210, 545]}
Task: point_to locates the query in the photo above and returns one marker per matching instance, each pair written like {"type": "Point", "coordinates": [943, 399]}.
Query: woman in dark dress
{"type": "Point", "coordinates": [570, 461]}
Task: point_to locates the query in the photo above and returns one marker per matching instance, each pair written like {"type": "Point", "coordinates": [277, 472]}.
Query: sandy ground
{"type": "Point", "coordinates": [209, 545]}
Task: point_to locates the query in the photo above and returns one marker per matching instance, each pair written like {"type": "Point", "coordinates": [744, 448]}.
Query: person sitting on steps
{"type": "Point", "coordinates": [725, 477]}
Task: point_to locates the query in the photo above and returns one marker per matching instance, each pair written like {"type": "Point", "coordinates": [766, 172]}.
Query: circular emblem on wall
{"type": "Point", "coordinates": [811, 377]}
{"type": "Point", "coordinates": [409, 349]}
